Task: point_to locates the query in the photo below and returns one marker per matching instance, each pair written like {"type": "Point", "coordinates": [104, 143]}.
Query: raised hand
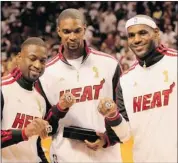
{"type": "Point", "coordinates": [66, 100]}
{"type": "Point", "coordinates": [107, 107]}
{"type": "Point", "coordinates": [37, 127]}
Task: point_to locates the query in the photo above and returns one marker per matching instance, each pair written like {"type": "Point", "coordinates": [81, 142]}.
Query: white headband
{"type": "Point", "coordinates": [140, 20]}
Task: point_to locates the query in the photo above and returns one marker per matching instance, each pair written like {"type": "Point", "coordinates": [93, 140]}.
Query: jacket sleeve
{"type": "Point", "coordinates": [10, 137]}
{"type": "Point", "coordinates": [114, 125]}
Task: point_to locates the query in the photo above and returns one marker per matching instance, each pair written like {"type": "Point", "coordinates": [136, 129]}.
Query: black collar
{"type": "Point", "coordinates": [153, 57]}
{"type": "Point", "coordinates": [28, 85]}
{"type": "Point", "coordinates": [24, 83]}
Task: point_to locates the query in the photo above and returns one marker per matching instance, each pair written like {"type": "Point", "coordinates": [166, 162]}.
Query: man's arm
{"type": "Point", "coordinates": [118, 98]}
{"type": "Point", "coordinates": [117, 129]}
{"type": "Point", "coordinates": [120, 130]}
{"type": "Point", "coordinates": [113, 124]}
{"type": "Point", "coordinates": [13, 136]}
{"type": "Point", "coordinates": [10, 137]}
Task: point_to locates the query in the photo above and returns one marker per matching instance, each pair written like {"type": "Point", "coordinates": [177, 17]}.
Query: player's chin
{"type": "Point", "coordinates": [76, 47]}
{"type": "Point", "coordinates": [33, 78]}
{"type": "Point", "coordinates": [140, 54]}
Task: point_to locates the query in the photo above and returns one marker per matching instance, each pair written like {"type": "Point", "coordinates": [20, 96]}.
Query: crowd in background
{"type": "Point", "coordinates": [105, 30]}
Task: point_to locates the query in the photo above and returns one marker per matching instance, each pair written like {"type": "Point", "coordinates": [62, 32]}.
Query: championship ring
{"type": "Point", "coordinates": [108, 105]}
{"type": "Point", "coordinates": [49, 129]}
{"type": "Point", "coordinates": [68, 98]}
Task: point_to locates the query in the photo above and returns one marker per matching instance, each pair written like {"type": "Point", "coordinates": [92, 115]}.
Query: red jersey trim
{"type": "Point", "coordinates": [12, 77]}
{"type": "Point", "coordinates": [95, 52]}
{"type": "Point", "coordinates": [130, 69]}
{"type": "Point", "coordinates": [6, 77]}
{"type": "Point", "coordinates": [53, 60]}
{"type": "Point", "coordinates": [167, 51]}
{"type": "Point", "coordinates": [62, 58]}
{"type": "Point", "coordinates": [11, 74]}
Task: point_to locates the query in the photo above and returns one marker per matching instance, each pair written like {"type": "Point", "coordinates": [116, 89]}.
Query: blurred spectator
{"type": "Point", "coordinates": [110, 41]}
{"type": "Point", "coordinates": [89, 35]}
{"type": "Point", "coordinates": [169, 37]}
{"type": "Point", "coordinates": [126, 55]}
{"type": "Point", "coordinates": [118, 44]}
{"type": "Point", "coordinates": [121, 27]}
{"type": "Point", "coordinates": [5, 45]}
{"type": "Point", "coordinates": [131, 10]}
{"type": "Point", "coordinates": [22, 19]}
{"type": "Point", "coordinates": [125, 67]}
{"type": "Point", "coordinates": [157, 14]}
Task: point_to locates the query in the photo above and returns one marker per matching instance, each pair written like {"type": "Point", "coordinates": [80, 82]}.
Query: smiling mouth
{"type": "Point", "coordinates": [138, 48]}
{"type": "Point", "coordinates": [35, 72]}
{"type": "Point", "coordinates": [73, 44]}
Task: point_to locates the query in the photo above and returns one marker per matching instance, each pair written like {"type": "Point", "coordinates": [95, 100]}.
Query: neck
{"type": "Point", "coordinates": [24, 83]}
{"type": "Point", "coordinates": [73, 54]}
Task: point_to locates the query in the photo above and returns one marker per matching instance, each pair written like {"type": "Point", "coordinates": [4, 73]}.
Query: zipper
{"type": "Point", "coordinates": [144, 65]}
{"type": "Point", "coordinates": [77, 76]}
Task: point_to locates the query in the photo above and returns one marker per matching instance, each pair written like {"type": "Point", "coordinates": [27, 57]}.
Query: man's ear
{"type": "Point", "coordinates": [59, 31]}
{"type": "Point", "coordinates": [157, 33]}
{"type": "Point", "coordinates": [18, 58]}
{"type": "Point", "coordinates": [85, 27]}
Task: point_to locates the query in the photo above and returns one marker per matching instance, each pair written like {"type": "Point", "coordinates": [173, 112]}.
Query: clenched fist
{"type": "Point", "coordinates": [37, 127]}
{"type": "Point", "coordinates": [107, 107]}
{"type": "Point", "coordinates": [66, 100]}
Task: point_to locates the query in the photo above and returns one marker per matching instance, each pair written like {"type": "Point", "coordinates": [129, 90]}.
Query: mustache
{"type": "Point", "coordinates": [38, 71]}
{"type": "Point", "coordinates": [135, 46]}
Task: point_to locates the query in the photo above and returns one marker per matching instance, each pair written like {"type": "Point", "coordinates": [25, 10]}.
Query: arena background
{"type": "Point", "coordinates": [105, 31]}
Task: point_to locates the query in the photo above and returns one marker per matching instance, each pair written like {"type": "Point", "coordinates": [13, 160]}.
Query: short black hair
{"type": "Point", "coordinates": [33, 41]}
{"type": "Point", "coordinates": [71, 13]}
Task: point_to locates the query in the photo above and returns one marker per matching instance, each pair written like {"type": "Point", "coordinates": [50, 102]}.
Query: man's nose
{"type": "Point", "coordinates": [137, 39]}
{"type": "Point", "coordinates": [37, 64]}
{"type": "Point", "coordinates": [72, 36]}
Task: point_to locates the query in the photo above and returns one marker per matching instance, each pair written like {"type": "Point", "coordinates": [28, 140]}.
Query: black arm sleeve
{"type": "Point", "coordinates": [110, 136]}
{"type": "Point", "coordinates": [9, 137]}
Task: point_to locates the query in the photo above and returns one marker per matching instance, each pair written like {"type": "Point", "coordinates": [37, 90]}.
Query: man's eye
{"type": "Point", "coordinates": [32, 59]}
{"type": "Point", "coordinates": [43, 61]}
{"type": "Point", "coordinates": [143, 32]}
{"type": "Point", "coordinates": [78, 30]}
{"type": "Point", "coordinates": [66, 31]}
{"type": "Point", "coordinates": [131, 35]}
